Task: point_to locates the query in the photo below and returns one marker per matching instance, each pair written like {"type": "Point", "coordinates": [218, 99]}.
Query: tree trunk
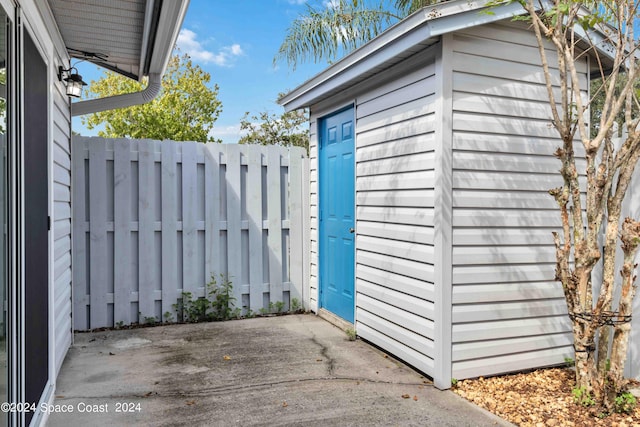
{"type": "Point", "coordinates": [616, 383]}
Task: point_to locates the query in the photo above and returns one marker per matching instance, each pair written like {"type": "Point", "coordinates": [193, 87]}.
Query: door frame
{"type": "Point", "coordinates": [321, 118]}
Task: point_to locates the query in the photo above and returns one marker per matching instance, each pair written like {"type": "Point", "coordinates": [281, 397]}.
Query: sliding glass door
{"type": "Point", "coordinates": [5, 240]}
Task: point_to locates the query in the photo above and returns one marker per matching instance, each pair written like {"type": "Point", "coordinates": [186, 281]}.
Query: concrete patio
{"type": "Point", "coordinates": [288, 370]}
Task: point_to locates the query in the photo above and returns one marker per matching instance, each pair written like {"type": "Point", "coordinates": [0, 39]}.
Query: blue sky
{"type": "Point", "coordinates": [235, 42]}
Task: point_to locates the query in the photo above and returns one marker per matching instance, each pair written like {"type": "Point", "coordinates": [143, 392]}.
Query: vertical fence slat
{"type": "Point", "coordinates": [296, 233]}
{"type": "Point", "coordinates": [79, 221]}
{"type": "Point", "coordinates": [189, 233]}
{"type": "Point", "coordinates": [146, 160]}
{"type": "Point", "coordinates": [254, 213]}
{"type": "Point", "coordinates": [169, 237]}
{"type": "Point", "coordinates": [234, 242]}
{"type": "Point", "coordinates": [274, 215]}
{"type": "Point", "coordinates": [98, 232]}
{"type": "Point", "coordinates": [122, 231]}
{"type": "Point", "coordinates": [212, 209]}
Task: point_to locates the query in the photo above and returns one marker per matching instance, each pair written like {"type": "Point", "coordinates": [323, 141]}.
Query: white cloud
{"type": "Point", "coordinates": [236, 50]}
{"type": "Point", "coordinates": [228, 134]}
{"type": "Point", "coordinates": [331, 4]}
{"type": "Point", "coordinates": [187, 42]}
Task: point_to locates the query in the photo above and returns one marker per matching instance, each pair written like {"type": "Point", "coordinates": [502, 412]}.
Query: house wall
{"type": "Point", "coordinates": [508, 311]}
{"type": "Point", "coordinates": [395, 142]}
{"type": "Point", "coordinates": [61, 222]}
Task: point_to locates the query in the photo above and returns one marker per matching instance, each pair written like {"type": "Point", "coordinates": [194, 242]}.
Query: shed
{"type": "Point", "coordinates": [38, 39]}
{"type": "Point", "coordinates": [430, 161]}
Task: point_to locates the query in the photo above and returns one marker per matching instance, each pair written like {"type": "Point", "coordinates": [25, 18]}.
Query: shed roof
{"type": "Point", "coordinates": [131, 37]}
{"type": "Point", "coordinates": [418, 31]}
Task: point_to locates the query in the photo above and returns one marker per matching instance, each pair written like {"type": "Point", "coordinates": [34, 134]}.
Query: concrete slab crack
{"type": "Point", "coordinates": [324, 351]}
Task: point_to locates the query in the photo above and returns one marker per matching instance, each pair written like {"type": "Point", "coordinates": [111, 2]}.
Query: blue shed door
{"type": "Point", "coordinates": [336, 210]}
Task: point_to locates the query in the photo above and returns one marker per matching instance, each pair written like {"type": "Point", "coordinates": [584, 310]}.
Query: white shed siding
{"type": "Point", "coordinates": [508, 312]}
{"type": "Point", "coordinates": [61, 223]}
{"type": "Point", "coordinates": [395, 141]}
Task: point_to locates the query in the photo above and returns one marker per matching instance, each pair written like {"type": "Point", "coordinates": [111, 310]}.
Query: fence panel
{"type": "Point", "coordinates": [153, 219]}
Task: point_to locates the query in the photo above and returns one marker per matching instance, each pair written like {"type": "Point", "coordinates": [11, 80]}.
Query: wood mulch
{"type": "Point", "coordinates": [540, 398]}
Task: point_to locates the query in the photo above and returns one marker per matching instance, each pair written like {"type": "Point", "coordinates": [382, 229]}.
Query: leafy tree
{"type": "Point", "coordinates": [288, 129]}
{"type": "Point", "coordinates": [340, 26]}
{"type": "Point", "coordinates": [588, 209]}
{"type": "Point", "coordinates": [185, 110]}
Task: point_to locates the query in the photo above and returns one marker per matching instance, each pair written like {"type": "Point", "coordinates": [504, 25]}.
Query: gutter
{"type": "Point", "coordinates": [91, 106]}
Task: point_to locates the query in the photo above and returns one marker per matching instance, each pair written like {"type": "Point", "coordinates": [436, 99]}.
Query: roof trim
{"type": "Point", "coordinates": [150, 27]}
{"type": "Point", "coordinates": [170, 19]}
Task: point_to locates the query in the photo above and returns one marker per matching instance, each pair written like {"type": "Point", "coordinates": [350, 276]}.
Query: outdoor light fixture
{"type": "Point", "coordinates": [73, 80]}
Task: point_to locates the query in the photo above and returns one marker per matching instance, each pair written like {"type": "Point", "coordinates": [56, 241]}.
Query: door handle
{"type": "Point", "coordinates": [352, 230]}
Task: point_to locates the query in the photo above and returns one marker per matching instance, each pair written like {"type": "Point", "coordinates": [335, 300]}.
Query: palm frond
{"type": "Point", "coordinates": [407, 7]}
{"type": "Point", "coordinates": [324, 33]}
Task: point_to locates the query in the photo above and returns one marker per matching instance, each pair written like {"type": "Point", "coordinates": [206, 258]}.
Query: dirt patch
{"type": "Point", "coordinates": [539, 398]}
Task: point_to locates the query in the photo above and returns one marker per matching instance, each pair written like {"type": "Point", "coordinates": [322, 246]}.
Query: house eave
{"type": "Point", "coordinates": [135, 38]}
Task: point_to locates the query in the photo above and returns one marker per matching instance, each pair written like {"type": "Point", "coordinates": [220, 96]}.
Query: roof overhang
{"type": "Point", "coordinates": [418, 31]}
{"type": "Point", "coordinates": [134, 38]}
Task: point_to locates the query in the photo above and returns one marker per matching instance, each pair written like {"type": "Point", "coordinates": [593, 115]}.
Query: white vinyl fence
{"type": "Point", "coordinates": [155, 218]}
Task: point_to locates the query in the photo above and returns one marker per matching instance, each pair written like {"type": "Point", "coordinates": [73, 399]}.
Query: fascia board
{"type": "Point", "coordinates": [169, 24]}
{"type": "Point", "coordinates": [146, 34]}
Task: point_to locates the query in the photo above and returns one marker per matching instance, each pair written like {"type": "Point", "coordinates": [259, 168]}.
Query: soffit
{"type": "Point", "coordinates": [109, 33]}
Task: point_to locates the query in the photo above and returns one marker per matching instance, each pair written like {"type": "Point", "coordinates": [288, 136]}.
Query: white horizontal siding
{"type": "Point", "coordinates": [538, 355]}
{"type": "Point", "coordinates": [395, 178]}
{"type": "Point", "coordinates": [61, 224]}
{"type": "Point", "coordinates": [508, 311]}
{"type": "Point", "coordinates": [488, 293]}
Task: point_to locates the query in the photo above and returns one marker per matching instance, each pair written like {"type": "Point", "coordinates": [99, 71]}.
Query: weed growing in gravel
{"type": "Point", "coordinates": [351, 334]}
{"type": "Point", "coordinates": [168, 317]}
